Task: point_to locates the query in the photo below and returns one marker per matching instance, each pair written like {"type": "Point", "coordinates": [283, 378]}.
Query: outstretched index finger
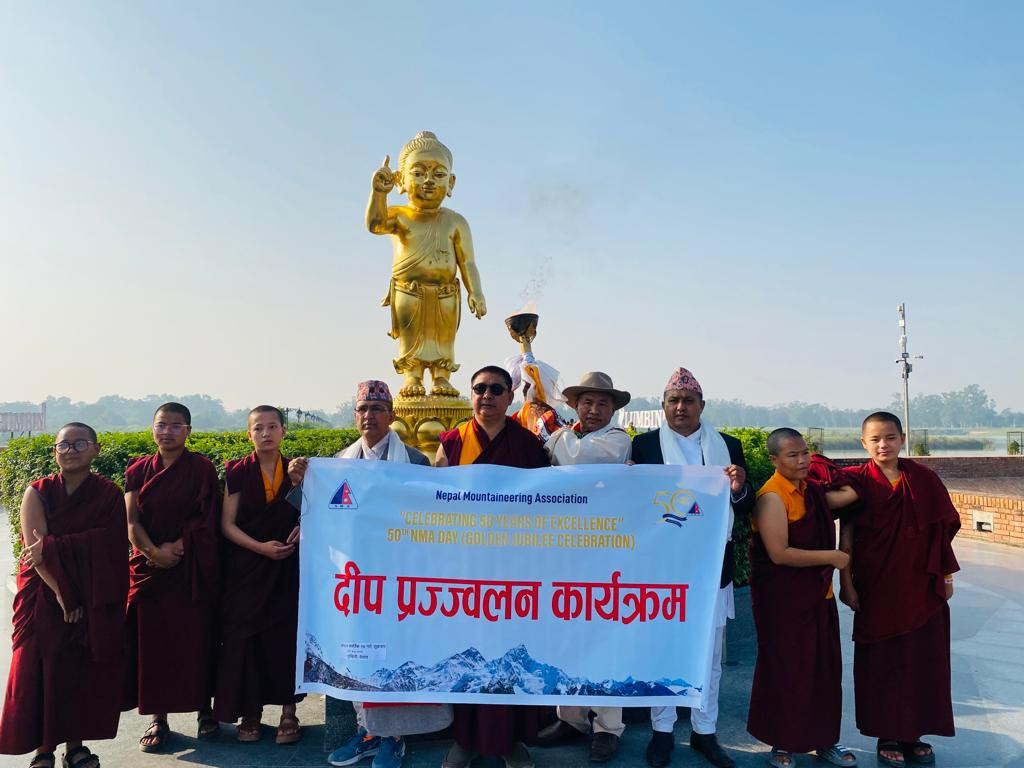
{"type": "Point", "coordinates": [387, 160]}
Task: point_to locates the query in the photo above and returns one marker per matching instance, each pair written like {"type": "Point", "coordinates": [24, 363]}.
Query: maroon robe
{"type": "Point", "coordinates": [902, 550]}
{"type": "Point", "coordinates": [796, 700]}
{"type": "Point", "coordinates": [493, 729]}
{"type": "Point", "coordinates": [65, 679]}
{"type": "Point", "coordinates": [514, 446]}
{"type": "Point", "coordinates": [171, 611]}
{"type": "Point", "coordinates": [259, 601]}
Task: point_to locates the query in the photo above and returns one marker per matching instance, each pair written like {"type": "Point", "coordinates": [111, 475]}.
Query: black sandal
{"type": "Point", "coordinates": [888, 745]}
{"type": "Point", "coordinates": [911, 757]}
{"type": "Point", "coordinates": [159, 730]}
{"type": "Point", "coordinates": [208, 728]}
{"type": "Point", "coordinates": [79, 756]}
{"type": "Point", "coordinates": [43, 760]}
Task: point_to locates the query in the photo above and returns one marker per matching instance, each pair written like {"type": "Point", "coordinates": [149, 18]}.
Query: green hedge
{"type": "Point", "coordinates": [29, 458]}
{"type": "Point", "coordinates": [759, 469]}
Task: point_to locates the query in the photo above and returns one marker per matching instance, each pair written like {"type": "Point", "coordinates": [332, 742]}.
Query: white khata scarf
{"type": "Point", "coordinates": [396, 450]}
{"type": "Point", "coordinates": [608, 445]}
{"type": "Point", "coordinates": [712, 446]}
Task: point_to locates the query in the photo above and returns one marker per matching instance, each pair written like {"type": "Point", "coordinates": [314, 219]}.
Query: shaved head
{"type": "Point", "coordinates": [774, 443]}
{"type": "Point", "coordinates": [883, 417]}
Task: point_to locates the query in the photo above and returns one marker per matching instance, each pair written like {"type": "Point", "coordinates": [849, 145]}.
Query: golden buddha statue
{"type": "Point", "coordinates": [430, 243]}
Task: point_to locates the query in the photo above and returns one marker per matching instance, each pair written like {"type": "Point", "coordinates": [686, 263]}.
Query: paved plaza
{"type": "Point", "coordinates": [988, 695]}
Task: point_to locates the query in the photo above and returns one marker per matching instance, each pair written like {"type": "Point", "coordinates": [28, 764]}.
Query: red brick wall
{"type": "Point", "coordinates": [1005, 515]}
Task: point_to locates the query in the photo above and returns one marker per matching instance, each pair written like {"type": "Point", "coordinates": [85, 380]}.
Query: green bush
{"type": "Point", "coordinates": [759, 469]}
{"type": "Point", "coordinates": [29, 458]}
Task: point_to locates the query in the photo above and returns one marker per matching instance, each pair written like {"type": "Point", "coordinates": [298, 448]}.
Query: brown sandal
{"type": "Point", "coordinates": [289, 731]}
{"type": "Point", "coordinates": [249, 729]}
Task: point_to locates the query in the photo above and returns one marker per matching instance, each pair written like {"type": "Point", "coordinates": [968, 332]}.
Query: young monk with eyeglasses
{"type": "Point", "coordinates": [68, 654]}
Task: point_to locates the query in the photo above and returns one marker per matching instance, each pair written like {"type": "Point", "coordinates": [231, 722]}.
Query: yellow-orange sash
{"type": "Point", "coordinates": [271, 488]}
{"type": "Point", "coordinates": [471, 448]}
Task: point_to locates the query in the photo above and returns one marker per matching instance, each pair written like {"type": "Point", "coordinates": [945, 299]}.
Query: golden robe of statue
{"type": "Point", "coordinates": [430, 243]}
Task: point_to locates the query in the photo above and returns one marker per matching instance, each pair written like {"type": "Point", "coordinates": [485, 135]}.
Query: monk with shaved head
{"type": "Point", "coordinates": [796, 699]}
{"type": "Point", "coordinates": [899, 584]}
{"type": "Point", "coordinates": [173, 521]}
{"type": "Point", "coordinates": [68, 655]}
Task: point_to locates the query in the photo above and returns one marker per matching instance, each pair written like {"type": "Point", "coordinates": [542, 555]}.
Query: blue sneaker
{"type": "Point", "coordinates": [390, 753]}
{"type": "Point", "coordinates": [360, 746]}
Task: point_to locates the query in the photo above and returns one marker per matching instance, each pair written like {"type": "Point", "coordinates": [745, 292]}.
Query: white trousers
{"type": "Point", "coordinates": [705, 719]}
{"type": "Point", "coordinates": [606, 719]}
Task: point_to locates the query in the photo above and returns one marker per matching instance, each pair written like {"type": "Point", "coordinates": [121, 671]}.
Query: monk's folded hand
{"type": "Point", "coordinates": [297, 469]}
{"type": "Point", "coordinates": [166, 555]}
{"type": "Point", "coordinates": [293, 536]}
{"type": "Point", "coordinates": [34, 552]}
{"type": "Point", "coordinates": [275, 550]}
{"type": "Point", "coordinates": [737, 477]}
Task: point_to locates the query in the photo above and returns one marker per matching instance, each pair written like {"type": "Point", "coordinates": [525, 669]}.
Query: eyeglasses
{"type": "Point", "coordinates": [65, 446]}
{"type": "Point", "coordinates": [371, 409]}
{"type": "Point", "coordinates": [174, 428]}
{"type": "Point", "coordinates": [495, 389]}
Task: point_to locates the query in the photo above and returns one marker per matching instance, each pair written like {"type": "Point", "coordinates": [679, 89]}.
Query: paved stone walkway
{"type": "Point", "coordinates": [988, 694]}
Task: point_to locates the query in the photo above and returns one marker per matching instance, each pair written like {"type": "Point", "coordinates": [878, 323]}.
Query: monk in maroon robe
{"type": "Point", "coordinates": [68, 654]}
{"type": "Point", "coordinates": [260, 595]}
{"type": "Point", "coordinates": [797, 695]}
{"type": "Point", "coordinates": [902, 578]}
{"type": "Point", "coordinates": [492, 438]}
{"type": "Point", "coordinates": [173, 520]}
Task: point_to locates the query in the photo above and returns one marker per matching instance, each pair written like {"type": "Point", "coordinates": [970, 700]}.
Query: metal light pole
{"type": "Point", "coordinates": [905, 369]}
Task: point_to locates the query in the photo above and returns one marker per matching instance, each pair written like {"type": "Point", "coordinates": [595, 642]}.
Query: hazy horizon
{"type": "Point", "coordinates": [745, 192]}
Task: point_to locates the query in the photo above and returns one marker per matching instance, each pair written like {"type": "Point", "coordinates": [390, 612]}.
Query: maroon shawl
{"type": "Point", "coordinates": [902, 549]}
{"type": "Point", "coordinates": [86, 550]}
{"type": "Point", "coordinates": [514, 446]}
{"type": "Point", "coordinates": [258, 592]}
{"type": "Point", "coordinates": [179, 501]}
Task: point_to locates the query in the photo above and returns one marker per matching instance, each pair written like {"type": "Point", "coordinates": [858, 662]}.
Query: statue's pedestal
{"type": "Point", "coordinates": [419, 421]}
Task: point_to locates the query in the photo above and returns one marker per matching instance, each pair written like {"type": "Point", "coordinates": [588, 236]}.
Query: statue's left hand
{"type": "Point", "coordinates": [477, 304]}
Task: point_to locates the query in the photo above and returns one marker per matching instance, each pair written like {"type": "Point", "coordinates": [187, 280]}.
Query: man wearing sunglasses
{"type": "Point", "coordinates": [491, 437]}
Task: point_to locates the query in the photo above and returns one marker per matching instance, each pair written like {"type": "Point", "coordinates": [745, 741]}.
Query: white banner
{"type": "Point", "coordinates": [589, 585]}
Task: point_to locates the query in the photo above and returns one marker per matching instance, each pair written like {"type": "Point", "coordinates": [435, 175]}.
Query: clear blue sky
{"type": "Point", "coordinates": [748, 190]}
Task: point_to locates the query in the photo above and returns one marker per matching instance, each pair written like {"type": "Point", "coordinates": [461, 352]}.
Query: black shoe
{"type": "Point", "coordinates": [603, 747]}
{"type": "Point", "coordinates": [559, 732]}
{"type": "Point", "coordinates": [659, 749]}
{"type": "Point", "coordinates": [707, 744]}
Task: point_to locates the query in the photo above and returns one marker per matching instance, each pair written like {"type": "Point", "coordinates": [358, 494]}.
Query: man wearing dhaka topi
{"type": "Point", "coordinates": [430, 243]}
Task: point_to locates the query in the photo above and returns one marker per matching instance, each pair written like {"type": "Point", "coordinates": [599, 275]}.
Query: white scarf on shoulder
{"type": "Point", "coordinates": [712, 446]}
{"type": "Point", "coordinates": [360, 450]}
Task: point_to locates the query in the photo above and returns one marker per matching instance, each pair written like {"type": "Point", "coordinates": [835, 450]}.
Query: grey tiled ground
{"type": "Point", "coordinates": [988, 694]}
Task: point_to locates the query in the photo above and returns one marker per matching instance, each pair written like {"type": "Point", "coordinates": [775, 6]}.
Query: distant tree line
{"type": "Point", "coordinates": [960, 409]}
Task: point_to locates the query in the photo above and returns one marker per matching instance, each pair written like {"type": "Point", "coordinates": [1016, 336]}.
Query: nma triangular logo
{"type": "Point", "coordinates": [343, 498]}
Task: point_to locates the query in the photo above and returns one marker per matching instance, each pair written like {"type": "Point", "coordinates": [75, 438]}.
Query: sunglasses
{"type": "Point", "coordinates": [495, 389]}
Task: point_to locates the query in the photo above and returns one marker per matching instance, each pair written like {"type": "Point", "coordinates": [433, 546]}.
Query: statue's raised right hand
{"type": "Point", "coordinates": [384, 178]}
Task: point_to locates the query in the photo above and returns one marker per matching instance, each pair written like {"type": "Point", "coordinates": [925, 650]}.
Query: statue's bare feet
{"type": "Point", "coordinates": [413, 387]}
{"type": "Point", "coordinates": [442, 387]}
